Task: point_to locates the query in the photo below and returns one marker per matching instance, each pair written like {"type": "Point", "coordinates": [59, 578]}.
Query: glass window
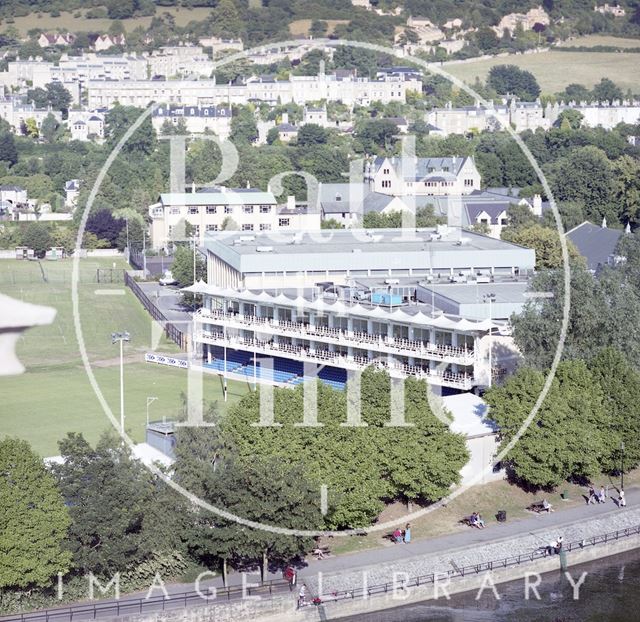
{"type": "Point", "coordinates": [265, 209]}
{"type": "Point", "coordinates": [228, 209]}
{"type": "Point", "coordinates": [194, 209]}
{"type": "Point", "coordinates": [247, 209]}
{"type": "Point", "coordinates": [247, 227]}
{"type": "Point", "coordinates": [283, 222]}
{"type": "Point", "coordinates": [212, 209]}
{"type": "Point", "coordinates": [265, 227]}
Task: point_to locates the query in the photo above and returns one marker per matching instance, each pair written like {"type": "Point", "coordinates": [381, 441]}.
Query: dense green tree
{"type": "Point", "coordinates": [511, 80]}
{"type": "Point", "coordinates": [106, 491]}
{"type": "Point", "coordinates": [620, 384]}
{"type": "Point", "coordinates": [570, 119]}
{"type": "Point", "coordinates": [486, 39]}
{"type": "Point", "coordinates": [36, 235]}
{"type": "Point", "coordinates": [33, 521]}
{"type": "Point", "coordinates": [265, 491]}
{"type": "Point", "coordinates": [626, 188]}
{"type": "Point", "coordinates": [362, 466]}
{"type": "Point", "coordinates": [59, 97]}
{"type": "Point", "coordinates": [571, 214]}
{"type": "Point", "coordinates": [545, 242]}
{"type": "Point", "coordinates": [318, 28]}
{"type": "Point", "coordinates": [586, 175]}
{"type": "Point", "coordinates": [49, 128]}
{"type": "Point", "coordinates": [121, 9]}
{"type": "Point", "coordinates": [182, 267]}
{"type": "Point", "coordinates": [604, 311]}
{"type": "Point", "coordinates": [8, 150]}
{"type": "Point", "coordinates": [575, 92]}
{"type": "Point", "coordinates": [105, 226]}
{"type": "Point", "coordinates": [376, 136]}
{"type": "Point", "coordinates": [119, 119]}
{"type": "Point", "coordinates": [312, 134]}
{"type": "Point", "coordinates": [607, 91]}
{"type": "Point", "coordinates": [39, 97]}
{"type": "Point", "coordinates": [243, 126]}
{"type": "Point", "coordinates": [570, 435]}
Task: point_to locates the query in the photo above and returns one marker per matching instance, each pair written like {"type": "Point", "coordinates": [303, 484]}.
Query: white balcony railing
{"type": "Point", "coordinates": [325, 356]}
{"type": "Point", "coordinates": [336, 336]}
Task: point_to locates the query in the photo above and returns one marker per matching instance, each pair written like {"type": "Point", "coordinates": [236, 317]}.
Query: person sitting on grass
{"type": "Point", "coordinates": [397, 536]}
{"type": "Point", "coordinates": [546, 506]}
{"type": "Point", "coordinates": [476, 521]}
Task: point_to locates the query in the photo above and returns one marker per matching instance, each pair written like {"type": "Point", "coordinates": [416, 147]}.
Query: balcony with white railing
{"type": "Point", "coordinates": [336, 336]}
{"type": "Point", "coordinates": [338, 359]}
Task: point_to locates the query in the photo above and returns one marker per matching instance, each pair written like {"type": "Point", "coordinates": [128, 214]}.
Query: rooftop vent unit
{"type": "Point", "coordinates": [462, 242]}
{"type": "Point", "coordinates": [264, 249]}
{"type": "Point", "coordinates": [247, 238]}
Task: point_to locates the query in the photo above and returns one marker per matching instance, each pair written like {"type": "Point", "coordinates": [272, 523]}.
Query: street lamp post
{"type": "Point", "coordinates": [121, 337]}
{"type": "Point", "coordinates": [621, 465]}
{"type": "Point", "coordinates": [490, 298]}
{"type": "Point", "coordinates": [150, 400]}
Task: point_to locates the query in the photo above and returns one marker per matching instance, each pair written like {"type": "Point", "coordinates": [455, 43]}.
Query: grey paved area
{"type": "Point", "coordinates": [167, 299]}
{"type": "Point", "coordinates": [474, 546]}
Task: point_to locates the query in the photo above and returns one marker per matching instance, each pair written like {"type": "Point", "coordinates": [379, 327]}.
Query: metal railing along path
{"type": "Point", "coordinates": [137, 606]}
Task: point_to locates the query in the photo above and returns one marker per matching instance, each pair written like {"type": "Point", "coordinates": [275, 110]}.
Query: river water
{"type": "Point", "coordinates": [610, 593]}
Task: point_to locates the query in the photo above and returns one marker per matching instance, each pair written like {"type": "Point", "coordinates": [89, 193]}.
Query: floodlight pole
{"type": "Point", "coordinates": [121, 337]}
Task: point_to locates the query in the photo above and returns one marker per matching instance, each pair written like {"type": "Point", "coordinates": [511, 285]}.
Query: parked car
{"type": "Point", "coordinates": [168, 279]}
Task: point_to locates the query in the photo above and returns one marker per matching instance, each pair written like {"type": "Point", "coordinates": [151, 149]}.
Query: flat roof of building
{"type": "Point", "coordinates": [390, 250]}
{"type": "Point", "coordinates": [473, 292]}
{"type": "Point", "coordinates": [372, 241]}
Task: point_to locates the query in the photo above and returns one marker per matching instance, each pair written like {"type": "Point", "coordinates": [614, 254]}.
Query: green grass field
{"type": "Point", "coordinates": [555, 70]}
{"type": "Point", "coordinates": [595, 40]}
{"type": "Point", "coordinates": [54, 396]}
{"type": "Point", "coordinates": [68, 21]}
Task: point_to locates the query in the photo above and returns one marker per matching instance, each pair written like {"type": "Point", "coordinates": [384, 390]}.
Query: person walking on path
{"type": "Point", "coordinates": [622, 502]}
{"type": "Point", "coordinates": [602, 498]}
{"type": "Point", "coordinates": [407, 533]}
{"type": "Point", "coordinates": [592, 496]}
{"type": "Point", "coordinates": [291, 576]}
{"type": "Point", "coordinates": [302, 596]}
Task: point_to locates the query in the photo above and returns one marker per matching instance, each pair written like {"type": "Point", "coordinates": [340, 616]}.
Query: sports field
{"type": "Point", "coordinates": [54, 396]}
{"type": "Point", "coordinates": [555, 70]}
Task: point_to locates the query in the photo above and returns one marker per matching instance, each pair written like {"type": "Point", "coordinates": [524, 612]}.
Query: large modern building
{"type": "Point", "coordinates": [427, 303]}
{"type": "Point", "coordinates": [216, 209]}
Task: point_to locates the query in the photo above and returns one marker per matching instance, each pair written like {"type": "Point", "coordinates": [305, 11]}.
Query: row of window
{"type": "Point", "coordinates": [282, 222]}
{"type": "Point", "coordinates": [226, 209]}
